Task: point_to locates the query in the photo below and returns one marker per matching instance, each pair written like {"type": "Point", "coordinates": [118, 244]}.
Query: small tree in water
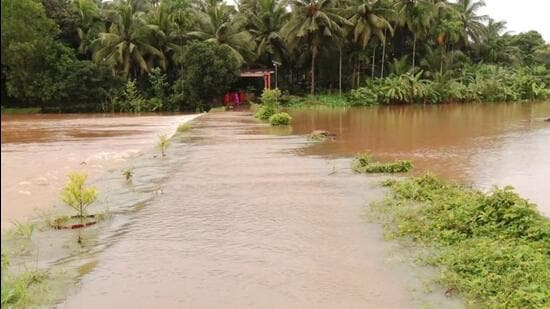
{"type": "Point", "coordinates": [76, 196]}
{"type": "Point", "coordinates": [163, 144]}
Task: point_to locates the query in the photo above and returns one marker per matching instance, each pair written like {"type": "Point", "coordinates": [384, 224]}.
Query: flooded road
{"type": "Point", "coordinates": [239, 214]}
{"type": "Point", "coordinates": [39, 150]}
{"type": "Point", "coordinates": [480, 144]}
{"type": "Point", "coordinates": [242, 222]}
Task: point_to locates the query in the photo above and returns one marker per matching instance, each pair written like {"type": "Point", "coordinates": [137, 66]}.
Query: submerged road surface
{"type": "Point", "coordinates": [244, 222]}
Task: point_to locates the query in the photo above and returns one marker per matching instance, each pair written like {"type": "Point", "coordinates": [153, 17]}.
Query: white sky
{"type": "Point", "coordinates": [522, 15]}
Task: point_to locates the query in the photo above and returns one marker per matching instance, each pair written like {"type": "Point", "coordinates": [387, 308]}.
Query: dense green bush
{"type": "Point", "coordinates": [362, 96]}
{"type": "Point", "coordinates": [492, 248]}
{"type": "Point", "coordinates": [280, 119]}
{"type": "Point", "coordinates": [363, 163]}
{"type": "Point", "coordinates": [264, 112]}
{"type": "Point", "coordinates": [210, 71]}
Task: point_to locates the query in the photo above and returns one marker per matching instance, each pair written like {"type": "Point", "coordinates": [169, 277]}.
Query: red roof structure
{"type": "Point", "coordinates": [266, 74]}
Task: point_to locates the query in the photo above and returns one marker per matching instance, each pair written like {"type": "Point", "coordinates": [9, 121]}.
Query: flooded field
{"type": "Point", "coordinates": [244, 215]}
{"type": "Point", "coordinates": [485, 144]}
{"type": "Point", "coordinates": [38, 150]}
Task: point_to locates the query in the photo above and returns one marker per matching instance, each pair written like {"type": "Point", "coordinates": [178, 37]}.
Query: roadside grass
{"type": "Point", "coordinates": [491, 248]}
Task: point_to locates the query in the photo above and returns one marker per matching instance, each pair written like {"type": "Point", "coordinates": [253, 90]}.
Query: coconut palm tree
{"type": "Point", "coordinates": [473, 24]}
{"type": "Point", "coordinates": [266, 18]}
{"type": "Point", "coordinates": [313, 23]}
{"type": "Point", "coordinates": [416, 15]}
{"type": "Point", "coordinates": [90, 23]}
{"type": "Point", "coordinates": [127, 43]}
{"type": "Point", "coordinates": [220, 24]}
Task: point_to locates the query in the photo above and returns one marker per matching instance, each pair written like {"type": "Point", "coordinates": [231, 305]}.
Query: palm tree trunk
{"type": "Point", "coordinates": [441, 64]}
{"type": "Point", "coordinates": [373, 60]}
{"type": "Point", "coordinates": [313, 59]}
{"type": "Point", "coordinates": [383, 54]}
{"type": "Point", "coordinates": [340, 72]}
{"type": "Point", "coordinates": [353, 73]}
{"type": "Point", "coordinates": [414, 51]}
{"type": "Point", "coordinates": [358, 72]}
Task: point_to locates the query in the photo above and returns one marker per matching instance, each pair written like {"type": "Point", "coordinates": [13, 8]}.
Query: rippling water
{"type": "Point", "coordinates": [243, 215]}
{"type": "Point", "coordinates": [482, 144]}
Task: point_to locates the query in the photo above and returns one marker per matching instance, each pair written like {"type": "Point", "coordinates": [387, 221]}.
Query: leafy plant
{"type": "Point", "coordinates": [493, 248]}
{"type": "Point", "coordinates": [76, 195]}
{"type": "Point", "coordinates": [128, 174]}
{"type": "Point", "coordinates": [363, 163]}
{"type": "Point", "coordinates": [265, 112]}
{"type": "Point", "coordinates": [163, 144]}
{"type": "Point", "coordinates": [280, 119]}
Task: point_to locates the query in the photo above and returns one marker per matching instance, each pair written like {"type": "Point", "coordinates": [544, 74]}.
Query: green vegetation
{"type": "Point", "coordinates": [492, 248]}
{"type": "Point", "coordinates": [168, 55]}
{"type": "Point", "coordinates": [363, 163]}
{"type": "Point", "coordinates": [184, 127]}
{"type": "Point", "coordinates": [20, 110]}
{"type": "Point", "coordinates": [21, 230]}
{"type": "Point", "coordinates": [128, 174]}
{"type": "Point", "coordinates": [270, 104]}
{"type": "Point", "coordinates": [77, 196]}
{"type": "Point", "coordinates": [163, 144]}
{"type": "Point", "coordinates": [16, 289]}
{"type": "Point", "coordinates": [280, 119]}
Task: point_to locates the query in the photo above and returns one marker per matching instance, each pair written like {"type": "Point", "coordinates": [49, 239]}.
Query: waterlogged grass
{"type": "Point", "coordinates": [184, 127]}
{"type": "Point", "coordinates": [491, 248]}
{"type": "Point", "coordinates": [19, 289]}
{"type": "Point", "coordinates": [280, 119]}
{"type": "Point", "coordinates": [363, 163]}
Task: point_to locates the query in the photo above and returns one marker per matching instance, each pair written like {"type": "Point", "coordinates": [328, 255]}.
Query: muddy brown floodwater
{"type": "Point", "coordinates": [38, 150]}
{"type": "Point", "coordinates": [480, 144]}
{"type": "Point", "coordinates": [243, 215]}
{"type": "Point", "coordinates": [244, 222]}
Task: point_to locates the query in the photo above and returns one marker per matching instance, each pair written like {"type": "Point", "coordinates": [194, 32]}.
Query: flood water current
{"type": "Point", "coordinates": [242, 215]}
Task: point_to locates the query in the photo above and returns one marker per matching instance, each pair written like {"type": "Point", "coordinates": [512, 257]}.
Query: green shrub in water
{"type": "Point", "coordinates": [363, 163]}
{"type": "Point", "coordinates": [362, 97]}
{"type": "Point", "coordinates": [76, 196]}
{"type": "Point", "coordinates": [264, 112]}
{"type": "Point", "coordinates": [163, 144]}
{"type": "Point", "coordinates": [493, 248]}
{"type": "Point", "coordinates": [280, 119]}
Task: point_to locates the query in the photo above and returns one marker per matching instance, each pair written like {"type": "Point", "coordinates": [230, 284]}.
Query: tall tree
{"type": "Point", "coordinates": [473, 29]}
{"type": "Point", "coordinates": [313, 23]}
{"type": "Point", "coordinates": [219, 24]}
{"type": "Point", "coordinates": [416, 15]}
{"type": "Point", "coordinates": [266, 18]}
{"type": "Point", "coordinates": [127, 43]}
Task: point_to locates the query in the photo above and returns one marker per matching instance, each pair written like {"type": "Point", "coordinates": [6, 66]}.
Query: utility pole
{"type": "Point", "coordinates": [276, 64]}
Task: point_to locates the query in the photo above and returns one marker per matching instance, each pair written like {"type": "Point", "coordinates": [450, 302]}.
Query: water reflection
{"type": "Point", "coordinates": [484, 144]}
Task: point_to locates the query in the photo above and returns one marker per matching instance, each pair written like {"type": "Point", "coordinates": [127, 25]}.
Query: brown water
{"type": "Point", "coordinates": [38, 150]}
{"type": "Point", "coordinates": [485, 144]}
{"type": "Point", "coordinates": [243, 222]}
{"type": "Point", "coordinates": [237, 217]}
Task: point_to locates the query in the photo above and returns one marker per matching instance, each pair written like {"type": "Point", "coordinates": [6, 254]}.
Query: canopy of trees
{"type": "Point", "coordinates": [79, 54]}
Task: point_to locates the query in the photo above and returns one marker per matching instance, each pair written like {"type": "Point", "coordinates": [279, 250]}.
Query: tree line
{"type": "Point", "coordinates": [154, 55]}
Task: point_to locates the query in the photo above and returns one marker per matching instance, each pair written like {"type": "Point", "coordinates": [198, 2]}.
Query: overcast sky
{"type": "Point", "coordinates": [521, 15]}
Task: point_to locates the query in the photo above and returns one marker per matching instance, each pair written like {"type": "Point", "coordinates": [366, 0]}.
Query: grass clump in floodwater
{"type": "Point", "coordinates": [128, 174]}
{"type": "Point", "coordinates": [491, 248]}
{"type": "Point", "coordinates": [280, 119]}
{"type": "Point", "coordinates": [17, 289]}
{"type": "Point", "coordinates": [163, 144]}
{"type": "Point", "coordinates": [184, 127]}
{"type": "Point", "coordinates": [363, 163]}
